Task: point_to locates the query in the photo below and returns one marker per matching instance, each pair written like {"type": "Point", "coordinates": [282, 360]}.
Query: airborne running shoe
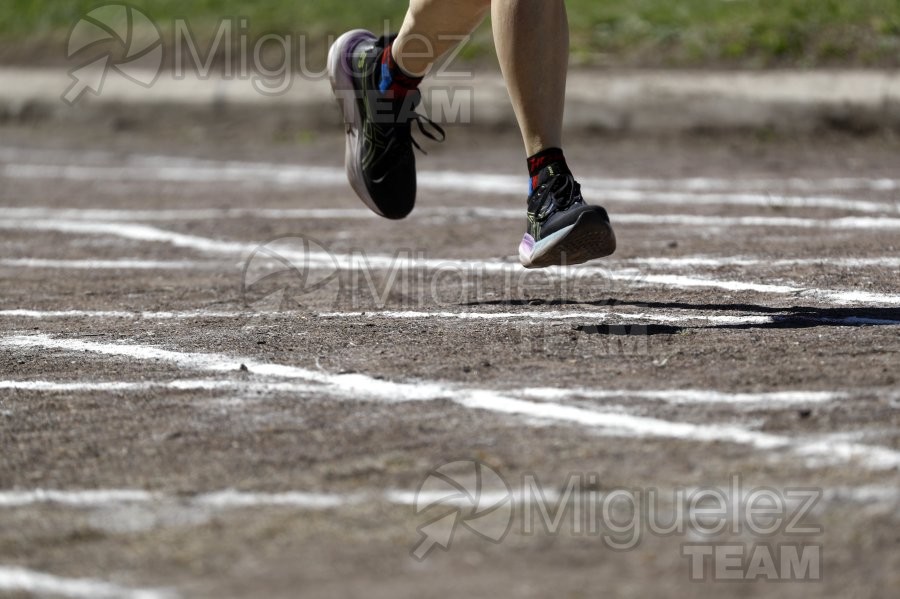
{"type": "Point", "coordinates": [562, 229]}
{"type": "Point", "coordinates": [379, 157]}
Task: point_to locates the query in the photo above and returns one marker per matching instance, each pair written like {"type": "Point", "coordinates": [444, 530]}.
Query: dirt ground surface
{"type": "Point", "coordinates": [220, 376]}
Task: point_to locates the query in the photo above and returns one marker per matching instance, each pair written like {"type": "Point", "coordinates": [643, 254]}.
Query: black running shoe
{"type": "Point", "coordinates": [562, 229]}
{"type": "Point", "coordinates": [379, 158]}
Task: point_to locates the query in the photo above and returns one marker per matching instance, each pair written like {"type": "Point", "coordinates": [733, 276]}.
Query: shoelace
{"type": "Point", "coordinates": [404, 131]}
{"type": "Point", "coordinates": [563, 190]}
{"type": "Point", "coordinates": [439, 135]}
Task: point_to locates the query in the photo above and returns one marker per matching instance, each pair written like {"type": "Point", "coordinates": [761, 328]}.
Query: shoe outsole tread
{"type": "Point", "coordinates": [591, 237]}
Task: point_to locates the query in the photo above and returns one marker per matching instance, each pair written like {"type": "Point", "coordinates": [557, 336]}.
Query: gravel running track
{"type": "Point", "coordinates": [221, 376]}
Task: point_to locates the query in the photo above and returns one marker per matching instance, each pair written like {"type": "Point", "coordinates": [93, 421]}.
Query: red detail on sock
{"type": "Point", "coordinates": [540, 160]}
{"type": "Point", "coordinates": [401, 84]}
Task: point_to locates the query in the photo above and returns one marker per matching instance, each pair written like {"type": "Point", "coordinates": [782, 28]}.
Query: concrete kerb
{"type": "Point", "coordinates": [640, 102]}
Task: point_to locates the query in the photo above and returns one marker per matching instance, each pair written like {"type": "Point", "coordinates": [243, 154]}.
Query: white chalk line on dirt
{"type": "Point", "coordinates": [723, 320]}
{"type": "Point", "coordinates": [840, 297]}
{"type": "Point", "coordinates": [221, 500]}
{"type": "Point", "coordinates": [91, 498]}
{"type": "Point", "coordinates": [334, 261]}
{"type": "Point", "coordinates": [446, 213]}
{"type": "Point", "coordinates": [688, 220]}
{"type": "Point", "coordinates": [605, 190]}
{"type": "Point", "coordinates": [184, 215]}
{"type": "Point", "coordinates": [23, 580]}
{"type": "Point", "coordinates": [41, 156]}
{"type": "Point", "coordinates": [468, 315]}
{"type": "Point", "coordinates": [764, 185]}
{"type": "Point", "coordinates": [549, 315]}
{"type": "Point", "coordinates": [707, 261]}
{"type": "Point", "coordinates": [545, 315]}
{"type": "Point", "coordinates": [140, 315]}
{"type": "Point", "coordinates": [694, 396]}
{"type": "Point", "coordinates": [682, 262]}
{"type": "Point", "coordinates": [133, 232]}
{"type": "Point", "coordinates": [256, 387]}
{"type": "Point", "coordinates": [117, 264]}
{"type": "Point", "coordinates": [363, 387]}
{"type": "Point", "coordinates": [80, 498]}
{"type": "Point", "coordinates": [862, 494]}
{"type": "Point", "coordinates": [602, 196]}
{"type": "Point", "coordinates": [304, 500]}
{"type": "Point", "coordinates": [774, 399]}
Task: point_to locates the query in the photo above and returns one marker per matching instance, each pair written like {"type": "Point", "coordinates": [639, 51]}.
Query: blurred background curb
{"type": "Point", "coordinates": [859, 101]}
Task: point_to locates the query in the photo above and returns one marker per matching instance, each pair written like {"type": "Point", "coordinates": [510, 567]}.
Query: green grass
{"type": "Point", "coordinates": [42, 17]}
{"type": "Point", "coordinates": [680, 33]}
{"type": "Point", "coordinates": [749, 33]}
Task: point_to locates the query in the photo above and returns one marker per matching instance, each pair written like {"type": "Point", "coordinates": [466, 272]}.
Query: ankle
{"type": "Point", "coordinates": [543, 159]}
{"type": "Point", "coordinates": [392, 80]}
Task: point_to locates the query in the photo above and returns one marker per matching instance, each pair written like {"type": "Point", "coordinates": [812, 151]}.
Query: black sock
{"type": "Point", "coordinates": [541, 160]}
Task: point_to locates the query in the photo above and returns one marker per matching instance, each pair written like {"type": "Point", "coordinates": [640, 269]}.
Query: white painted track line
{"type": "Point", "coordinates": [168, 169]}
{"type": "Point", "coordinates": [332, 261]}
{"type": "Point", "coordinates": [771, 399]}
{"type": "Point", "coordinates": [80, 499]}
{"type": "Point", "coordinates": [42, 156]}
{"type": "Point", "coordinates": [116, 264]}
{"type": "Point", "coordinates": [225, 499]}
{"type": "Point", "coordinates": [697, 396]}
{"type": "Point", "coordinates": [360, 387]}
{"type": "Point", "coordinates": [714, 222]}
{"type": "Point", "coordinates": [256, 387]}
{"type": "Point", "coordinates": [23, 580]}
{"type": "Point", "coordinates": [721, 320]}
{"type": "Point", "coordinates": [145, 315]}
{"type": "Point", "coordinates": [12, 214]}
{"type": "Point", "coordinates": [228, 499]}
{"type": "Point", "coordinates": [184, 215]}
{"type": "Point", "coordinates": [682, 262]}
{"type": "Point", "coordinates": [594, 316]}
{"type": "Point", "coordinates": [707, 261]}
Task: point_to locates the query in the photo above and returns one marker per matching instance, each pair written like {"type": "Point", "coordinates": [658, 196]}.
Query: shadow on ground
{"type": "Point", "coordinates": [795, 317]}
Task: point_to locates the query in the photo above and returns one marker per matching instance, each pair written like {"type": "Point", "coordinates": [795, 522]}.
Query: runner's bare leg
{"type": "Point", "coordinates": [532, 41]}
{"type": "Point", "coordinates": [432, 28]}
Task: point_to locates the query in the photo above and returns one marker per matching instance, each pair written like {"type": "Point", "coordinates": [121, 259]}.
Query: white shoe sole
{"type": "Point", "coordinates": [591, 237]}
{"type": "Point", "coordinates": [346, 96]}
